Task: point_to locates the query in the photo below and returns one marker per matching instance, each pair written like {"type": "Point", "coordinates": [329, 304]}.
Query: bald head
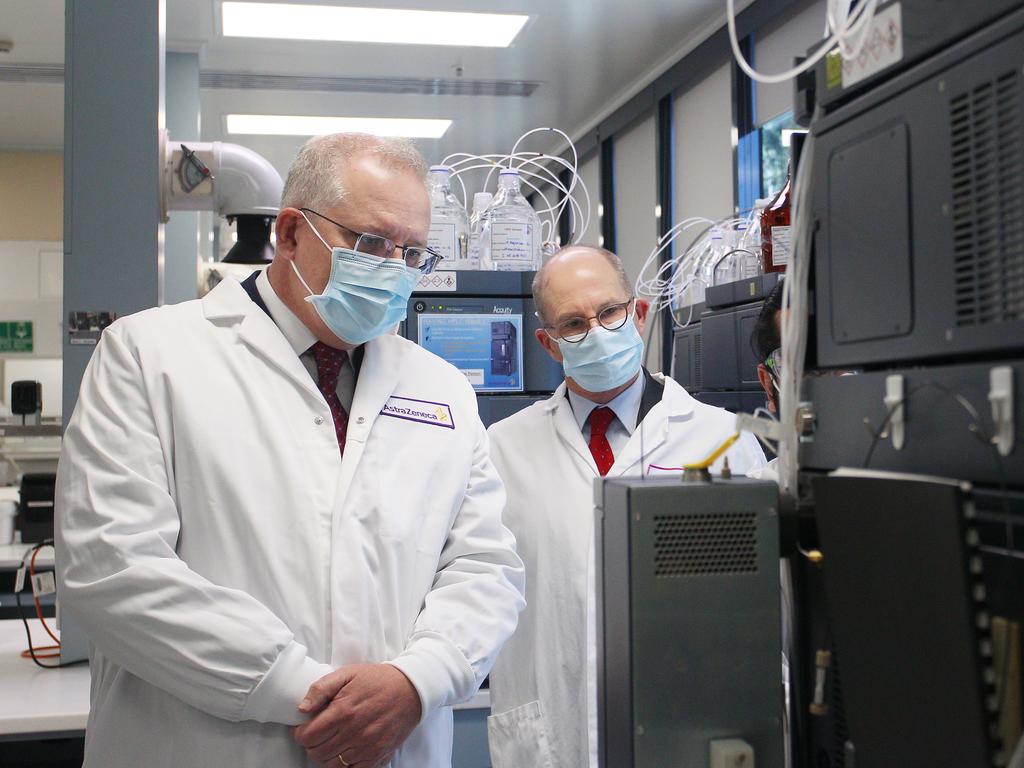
{"type": "Point", "coordinates": [574, 267]}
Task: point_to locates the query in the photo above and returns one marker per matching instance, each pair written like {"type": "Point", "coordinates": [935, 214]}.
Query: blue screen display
{"type": "Point", "coordinates": [487, 348]}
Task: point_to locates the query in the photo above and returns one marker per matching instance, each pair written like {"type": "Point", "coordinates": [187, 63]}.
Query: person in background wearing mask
{"type": "Point", "coordinates": [766, 342]}
{"type": "Point", "coordinates": [609, 417]}
{"type": "Point", "coordinates": [273, 512]}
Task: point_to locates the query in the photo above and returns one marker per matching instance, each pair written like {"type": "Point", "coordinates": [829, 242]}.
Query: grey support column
{"type": "Point", "coordinates": [113, 113]}
{"type": "Point", "coordinates": [181, 233]}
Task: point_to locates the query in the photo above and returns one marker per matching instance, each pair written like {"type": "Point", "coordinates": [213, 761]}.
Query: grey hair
{"type": "Point", "coordinates": [540, 279]}
{"type": "Point", "coordinates": [316, 176]}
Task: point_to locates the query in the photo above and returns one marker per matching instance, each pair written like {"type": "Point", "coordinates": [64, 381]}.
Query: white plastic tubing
{"type": "Point", "coordinates": [535, 169]}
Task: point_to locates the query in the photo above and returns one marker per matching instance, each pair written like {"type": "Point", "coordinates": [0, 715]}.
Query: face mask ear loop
{"type": "Point", "coordinates": [315, 232]}
{"type": "Point", "coordinates": [298, 275]}
{"type": "Point", "coordinates": [292, 262]}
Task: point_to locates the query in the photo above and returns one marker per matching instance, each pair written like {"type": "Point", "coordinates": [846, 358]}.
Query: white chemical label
{"type": "Point", "coordinates": [780, 246]}
{"type": "Point", "coordinates": [882, 49]}
{"type": "Point", "coordinates": [474, 253]}
{"type": "Point", "coordinates": [512, 245]}
{"type": "Point", "coordinates": [442, 239]}
{"type": "Point", "coordinates": [44, 584]}
{"type": "Point", "coordinates": [438, 282]}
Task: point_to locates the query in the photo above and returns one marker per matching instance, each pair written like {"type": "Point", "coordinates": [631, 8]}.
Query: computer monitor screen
{"type": "Point", "coordinates": [486, 347]}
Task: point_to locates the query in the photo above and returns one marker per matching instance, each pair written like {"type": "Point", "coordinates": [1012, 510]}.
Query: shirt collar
{"type": "Point", "coordinates": [298, 335]}
{"type": "Point", "coordinates": [626, 405]}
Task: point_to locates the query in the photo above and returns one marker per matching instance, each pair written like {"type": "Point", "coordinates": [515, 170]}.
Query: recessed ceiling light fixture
{"type": "Point", "coordinates": [313, 125]}
{"type": "Point", "coordinates": [369, 25]}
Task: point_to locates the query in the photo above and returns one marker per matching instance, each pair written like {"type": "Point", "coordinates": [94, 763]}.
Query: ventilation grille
{"type": "Point", "coordinates": [987, 131]}
{"type": "Point", "coordinates": [395, 85]}
{"type": "Point", "coordinates": [698, 372]}
{"type": "Point", "coordinates": [32, 73]}
{"type": "Point", "coordinates": [249, 81]}
{"type": "Point", "coordinates": [701, 545]}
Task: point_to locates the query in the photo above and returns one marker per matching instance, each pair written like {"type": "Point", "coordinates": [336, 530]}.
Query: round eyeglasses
{"type": "Point", "coordinates": [575, 329]}
{"type": "Point", "coordinates": [415, 256]}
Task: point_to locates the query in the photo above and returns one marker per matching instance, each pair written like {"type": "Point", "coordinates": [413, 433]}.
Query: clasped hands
{"type": "Point", "coordinates": [361, 713]}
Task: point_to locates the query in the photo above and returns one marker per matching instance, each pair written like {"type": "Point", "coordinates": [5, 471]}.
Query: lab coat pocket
{"type": "Point", "coordinates": [656, 470]}
{"type": "Point", "coordinates": [519, 738]}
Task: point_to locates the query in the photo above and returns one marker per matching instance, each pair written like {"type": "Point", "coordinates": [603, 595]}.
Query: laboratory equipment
{"type": "Point", "coordinates": [542, 174]}
{"type": "Point", "coordinates": [919, 263]}
{"type": "Point", "coordinates": [899, 36]}
{"type": "Point", "coordinates": [481, 200]}
{"type": "Point", "coordinates": [510, 234]}
{"type": "Point", "coordinates": [232, 181]}
{"type": "Point", "coordinates": [35, 507]}
{"type": "Point", "coordinates": [484, 324]}
{"type": "Point", "coordinates": [27, 401]}
{"type": "Point", "coordinates": [449, 223]}
{"type": "Point", "coordinates": [688, 621]}
{"type": "Point", "coordinates": [775, 231]}
{"type": "Point", "coordinates": [712, 356]}
{"type": "Point", "coordinates": [907, 269]}
{"type": "Point", "coordinates": [904, 578]}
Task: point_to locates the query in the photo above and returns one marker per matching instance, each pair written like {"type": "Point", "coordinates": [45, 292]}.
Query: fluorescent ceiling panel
{"type": "Point", "coordinates": [369, 25]}
{"type": "Point", "coordinates": [310, 125]}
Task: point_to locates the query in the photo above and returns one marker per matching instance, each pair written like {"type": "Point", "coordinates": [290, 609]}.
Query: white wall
{"type": "Point", "coordinates": [636, 194]}
{"type": "Point", "coordinates": [551, 198]}
{"type": "Point", "coordinates": [31, 289]}
{"type": "Point", "coordinates": [32, 267]}
{"type": "Point", "coordinates": [774, 49]}
{"type": "Point", "coordinates": [590, 174]}
{"type": "Point", "coordinates": [704, 151]}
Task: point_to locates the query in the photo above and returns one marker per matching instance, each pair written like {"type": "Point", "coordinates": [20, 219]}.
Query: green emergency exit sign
{"type": "Point", "coordinates": [15, 336]}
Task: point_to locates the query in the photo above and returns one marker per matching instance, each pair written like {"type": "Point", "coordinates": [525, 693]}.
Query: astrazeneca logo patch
{"type": "Point", "coordinates": [422, 411]}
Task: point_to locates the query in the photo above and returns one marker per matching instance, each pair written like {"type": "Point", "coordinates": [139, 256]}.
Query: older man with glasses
{"type": "Point", "coordinates": [610, 417]}
{"type": "Point", "coordinates": [277, 520]}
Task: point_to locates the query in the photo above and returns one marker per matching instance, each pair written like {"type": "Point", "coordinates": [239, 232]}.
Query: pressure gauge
{"type": "Point", "coordinates": [192, 171]}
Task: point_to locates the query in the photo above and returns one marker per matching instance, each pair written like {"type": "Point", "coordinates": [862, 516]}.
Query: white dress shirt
{"type": "Point", "coordinates": [626, 407]}
{"type": "Point", "coordinates": [302, 339]}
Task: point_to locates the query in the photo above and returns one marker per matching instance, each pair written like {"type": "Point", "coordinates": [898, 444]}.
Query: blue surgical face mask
{"type": "Point", "coordinates": [605, 360]}
{"type": "Point", "coordinates": [365, 296]}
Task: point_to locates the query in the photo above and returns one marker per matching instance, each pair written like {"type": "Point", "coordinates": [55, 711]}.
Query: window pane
{"type": "Point", "coordinates": [775, 136]}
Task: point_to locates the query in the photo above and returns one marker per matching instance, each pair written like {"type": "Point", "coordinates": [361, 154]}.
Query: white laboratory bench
{"type": "Point", "coordinates": [39, 703]}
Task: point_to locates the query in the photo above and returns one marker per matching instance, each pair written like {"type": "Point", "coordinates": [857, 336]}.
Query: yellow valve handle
{"type": "Point", "coordinates": [714, 456]}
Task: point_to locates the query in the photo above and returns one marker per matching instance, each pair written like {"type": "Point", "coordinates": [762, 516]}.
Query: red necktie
{"type": "Point", "coordinates": [600, 448]}
{"type": "Point", "coordinates": [328, 367]}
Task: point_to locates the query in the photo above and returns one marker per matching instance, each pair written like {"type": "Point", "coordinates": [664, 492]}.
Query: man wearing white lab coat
{"type": "Point", "coordinates": [612, 417]}
{"type": "Point", "coordinates": [272, 512]}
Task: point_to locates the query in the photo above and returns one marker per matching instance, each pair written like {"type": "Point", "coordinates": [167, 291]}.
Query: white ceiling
{"type": "Point", "coordinates": [589, 56]}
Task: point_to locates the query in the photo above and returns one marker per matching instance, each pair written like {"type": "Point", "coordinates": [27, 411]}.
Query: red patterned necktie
{"type": "Point", "coordinates": [328, 367]}
{"type": "Point", "coordinates": [600, 448]}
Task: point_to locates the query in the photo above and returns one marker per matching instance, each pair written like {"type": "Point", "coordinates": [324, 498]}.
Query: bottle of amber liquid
{"type": "Point", "coordinates": [775, 240]}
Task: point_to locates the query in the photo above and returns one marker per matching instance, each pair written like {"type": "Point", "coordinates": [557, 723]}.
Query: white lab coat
{"type": "Point", "coordinates": [222, 556]}
{"type": "Point", "coordinates": [541, 692]}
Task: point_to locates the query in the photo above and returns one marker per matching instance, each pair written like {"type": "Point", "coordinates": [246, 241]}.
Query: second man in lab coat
{"type": "Point", "coordinates": [609, 417]}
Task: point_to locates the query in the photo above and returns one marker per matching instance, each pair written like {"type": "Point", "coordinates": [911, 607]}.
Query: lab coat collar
{"type": "Point", "coordinates": [229, 304]}
{"type": "Point", "coordinates": [626, 404]}
{"type": "Point", "coordinates": [557, 406]}
{"type": "Point", "coordinates": [676, 405]}
{"type": "Point", "coordinates": [298, 335]}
